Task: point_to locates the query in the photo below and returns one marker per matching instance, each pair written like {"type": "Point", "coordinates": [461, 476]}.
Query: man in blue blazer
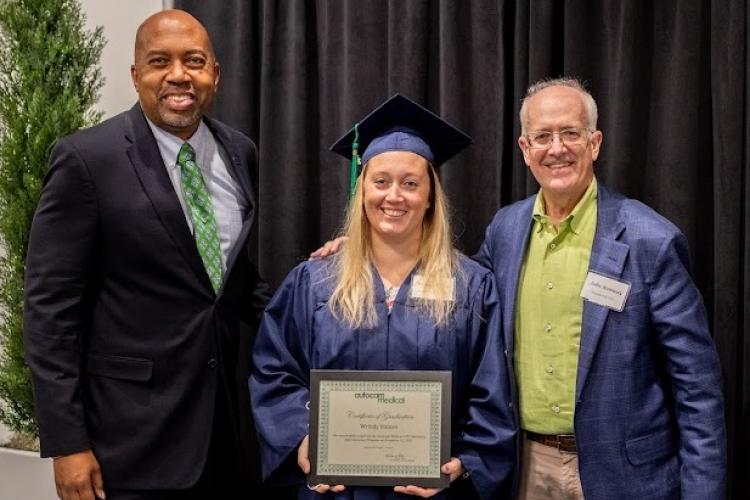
{"type": "Point", "coordinates": [618, 382]}
{"type": "Point", "coordinates": [133, 344]}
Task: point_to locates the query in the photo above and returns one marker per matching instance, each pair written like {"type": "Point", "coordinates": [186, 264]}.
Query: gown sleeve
{"type": "Point", "coordinates": [279, 383]}
{"type": "Point", "coordinates": [485, 440]}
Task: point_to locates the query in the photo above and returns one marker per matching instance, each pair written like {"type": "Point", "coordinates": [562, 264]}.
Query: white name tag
{"type": "Point", "coordinates": [605, 291]}
{"type": "Point", "coordinates": [443, 291]}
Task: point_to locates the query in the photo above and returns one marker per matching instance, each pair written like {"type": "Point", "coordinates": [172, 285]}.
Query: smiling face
{"type": "Point", "coordinates": [396, 195]}
{"type": "Point", "coordinates": [563, 171]}
{"type": "Point", "coordinates": [175, 72]}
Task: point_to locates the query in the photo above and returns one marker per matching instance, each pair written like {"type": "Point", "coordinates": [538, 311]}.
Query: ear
{"type": "Point", "coordinates": [134, 76]}
{"type": "Point", "coordinates": [596, 144]}
{"type": "Point", "coordinates": [217, 75]}
{"type": "Point", "coordinates": [523, 145]}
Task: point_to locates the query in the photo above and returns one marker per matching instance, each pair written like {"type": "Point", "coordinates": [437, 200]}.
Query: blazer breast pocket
{"type": "Point", "coordinates": [637, 299]}
{"type": "Point", "coordinates": [119, 367]}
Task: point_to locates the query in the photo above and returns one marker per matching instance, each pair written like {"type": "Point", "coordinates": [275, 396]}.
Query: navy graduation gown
{"type": "Point", "coordinates": [299, 333]}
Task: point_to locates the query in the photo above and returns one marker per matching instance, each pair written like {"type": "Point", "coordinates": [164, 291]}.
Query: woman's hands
{"type": "Point", "coordinates": [303, 461]}
{"type": "Point", "coordinates": [453, 468]}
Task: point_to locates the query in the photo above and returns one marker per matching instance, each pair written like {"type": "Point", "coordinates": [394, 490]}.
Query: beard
{"type": "Point", "coordinates": [182, 120]}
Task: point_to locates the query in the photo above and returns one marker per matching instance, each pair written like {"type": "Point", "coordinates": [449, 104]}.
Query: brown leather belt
{"type": "Point", "coordinates": [563, 442]}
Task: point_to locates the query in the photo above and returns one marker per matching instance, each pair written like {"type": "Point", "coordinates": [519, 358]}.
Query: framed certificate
{"type": "Point", "coordinates": [379, 428]}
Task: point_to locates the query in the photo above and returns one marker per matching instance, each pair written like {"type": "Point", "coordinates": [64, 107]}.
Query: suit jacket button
{"type": "Point", "coordinates": [212, 363]}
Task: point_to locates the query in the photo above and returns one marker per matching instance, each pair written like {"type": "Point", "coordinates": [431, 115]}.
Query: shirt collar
{"type": "Point", "coordinates": [574, 219]}
{"type": "Point", "coordinates": [170, 144]}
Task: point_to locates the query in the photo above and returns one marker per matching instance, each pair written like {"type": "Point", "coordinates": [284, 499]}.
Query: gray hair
{"type": "Point", "coordinates": [564, 81]}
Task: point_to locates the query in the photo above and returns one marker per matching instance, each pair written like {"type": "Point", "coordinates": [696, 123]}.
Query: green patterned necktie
{"type": "Point", "coordinates": [202, 214]}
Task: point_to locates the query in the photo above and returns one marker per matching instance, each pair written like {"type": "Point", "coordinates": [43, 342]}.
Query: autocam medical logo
{"type": "Point", "coordinates": [381, 398]}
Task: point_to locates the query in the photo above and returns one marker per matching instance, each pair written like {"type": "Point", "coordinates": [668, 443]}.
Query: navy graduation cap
{"type": "Point", "coordinates": [400, 124]}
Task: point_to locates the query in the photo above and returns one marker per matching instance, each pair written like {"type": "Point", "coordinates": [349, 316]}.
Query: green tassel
{"type": "Point", "coordinates": [354, 171]}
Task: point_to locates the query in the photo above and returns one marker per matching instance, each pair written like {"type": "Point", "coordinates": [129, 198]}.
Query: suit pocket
{"type": "Point", "coordinates": [120, 367]}
{"type": "Point", "coordinates": [651, 447]}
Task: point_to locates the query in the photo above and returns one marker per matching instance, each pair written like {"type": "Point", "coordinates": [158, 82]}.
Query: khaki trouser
{"type": "Point", "coordinates": [548, 474]}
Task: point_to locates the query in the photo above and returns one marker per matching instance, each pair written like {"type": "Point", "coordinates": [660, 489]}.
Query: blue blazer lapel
{"type": "Point", "coordinates": [522, 225]}
{"type": "Point", "coordinates": [607, 258]}
{"type": "Point", "coordinates": [149, 166]}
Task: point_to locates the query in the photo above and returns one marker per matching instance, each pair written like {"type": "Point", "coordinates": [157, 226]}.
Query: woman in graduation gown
{"type": "Point", "coordinates": [398, 296]}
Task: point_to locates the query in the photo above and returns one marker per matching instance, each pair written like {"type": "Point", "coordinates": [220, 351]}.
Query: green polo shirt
{"type": "Point", "coordinates": [548, 315]}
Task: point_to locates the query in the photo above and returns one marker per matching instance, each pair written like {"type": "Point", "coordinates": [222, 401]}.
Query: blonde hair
{"type": "Point", "coordinates": [353, 298]}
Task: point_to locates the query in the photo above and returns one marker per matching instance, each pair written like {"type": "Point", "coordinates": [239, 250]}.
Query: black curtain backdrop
{"type": "Point", "coordinates": [670, 78]}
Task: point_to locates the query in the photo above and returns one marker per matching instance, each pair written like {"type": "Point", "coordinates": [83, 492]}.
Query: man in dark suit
{"type": "Point", "coordinates": [618, 382]}
{"type": "Point", "coordinates": [139, 287]}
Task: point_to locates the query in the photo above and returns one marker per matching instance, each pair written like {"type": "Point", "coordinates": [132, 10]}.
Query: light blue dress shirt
{"type": "Point", "coordinates": [229, 202]}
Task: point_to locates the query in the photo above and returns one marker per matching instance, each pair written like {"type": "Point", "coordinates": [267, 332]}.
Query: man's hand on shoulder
{"type": "Point", "coordinates": [329, 248]}
{"type": "Point", "coordinates": [78, 476]}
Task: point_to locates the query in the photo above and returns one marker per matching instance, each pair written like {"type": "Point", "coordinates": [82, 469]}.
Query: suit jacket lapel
{"type": "Point", "coordinates": [608, 259]}
{"type": "Point", "coordinates": [517, 251]}
{"type": "Point", "coordinates": [149, 166]}
{"type": "Point", "coordinates": [240, 172]}
{"type": "Point", "coordinates": [237, 167]}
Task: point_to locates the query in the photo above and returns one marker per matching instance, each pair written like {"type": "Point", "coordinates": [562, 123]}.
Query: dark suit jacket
{"type": "Point", "coordinates": [124, 334]}
{"type": "Point", "coordinates": [649, 415]}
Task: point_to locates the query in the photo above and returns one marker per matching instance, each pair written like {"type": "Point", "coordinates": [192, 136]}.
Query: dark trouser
{"type": "Point", "coordinates": [220, 478]}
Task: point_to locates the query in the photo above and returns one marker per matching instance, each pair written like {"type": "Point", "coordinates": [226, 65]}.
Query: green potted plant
{"type": "Point", "coordinates": [49, 83]}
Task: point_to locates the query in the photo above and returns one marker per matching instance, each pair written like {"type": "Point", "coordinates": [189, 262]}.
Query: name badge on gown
{"type": "Point", "coordinates": [605, 291]}
{"type": "Point", "coordinates": [445, 290]}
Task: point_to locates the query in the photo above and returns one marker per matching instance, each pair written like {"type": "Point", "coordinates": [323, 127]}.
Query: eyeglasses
{"type": "Point", "coordinates": [542, 139]}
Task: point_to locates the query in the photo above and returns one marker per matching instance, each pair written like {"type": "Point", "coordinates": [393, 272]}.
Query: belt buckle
{"type": "Point", "coordinates": [561, 439]}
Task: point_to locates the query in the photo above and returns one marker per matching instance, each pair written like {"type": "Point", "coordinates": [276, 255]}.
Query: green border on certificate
{"type": "Point", "coordinates": [379, 428]}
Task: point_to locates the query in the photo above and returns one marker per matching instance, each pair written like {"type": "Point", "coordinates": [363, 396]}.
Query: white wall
{"type": "Point", "coordinates": [25, 476]}
{"type": "Point", "coordinates": [120, 19]}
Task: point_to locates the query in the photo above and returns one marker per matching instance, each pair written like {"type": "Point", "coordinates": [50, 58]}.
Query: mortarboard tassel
{"type": "Point", "coordinates": [355, 161]}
